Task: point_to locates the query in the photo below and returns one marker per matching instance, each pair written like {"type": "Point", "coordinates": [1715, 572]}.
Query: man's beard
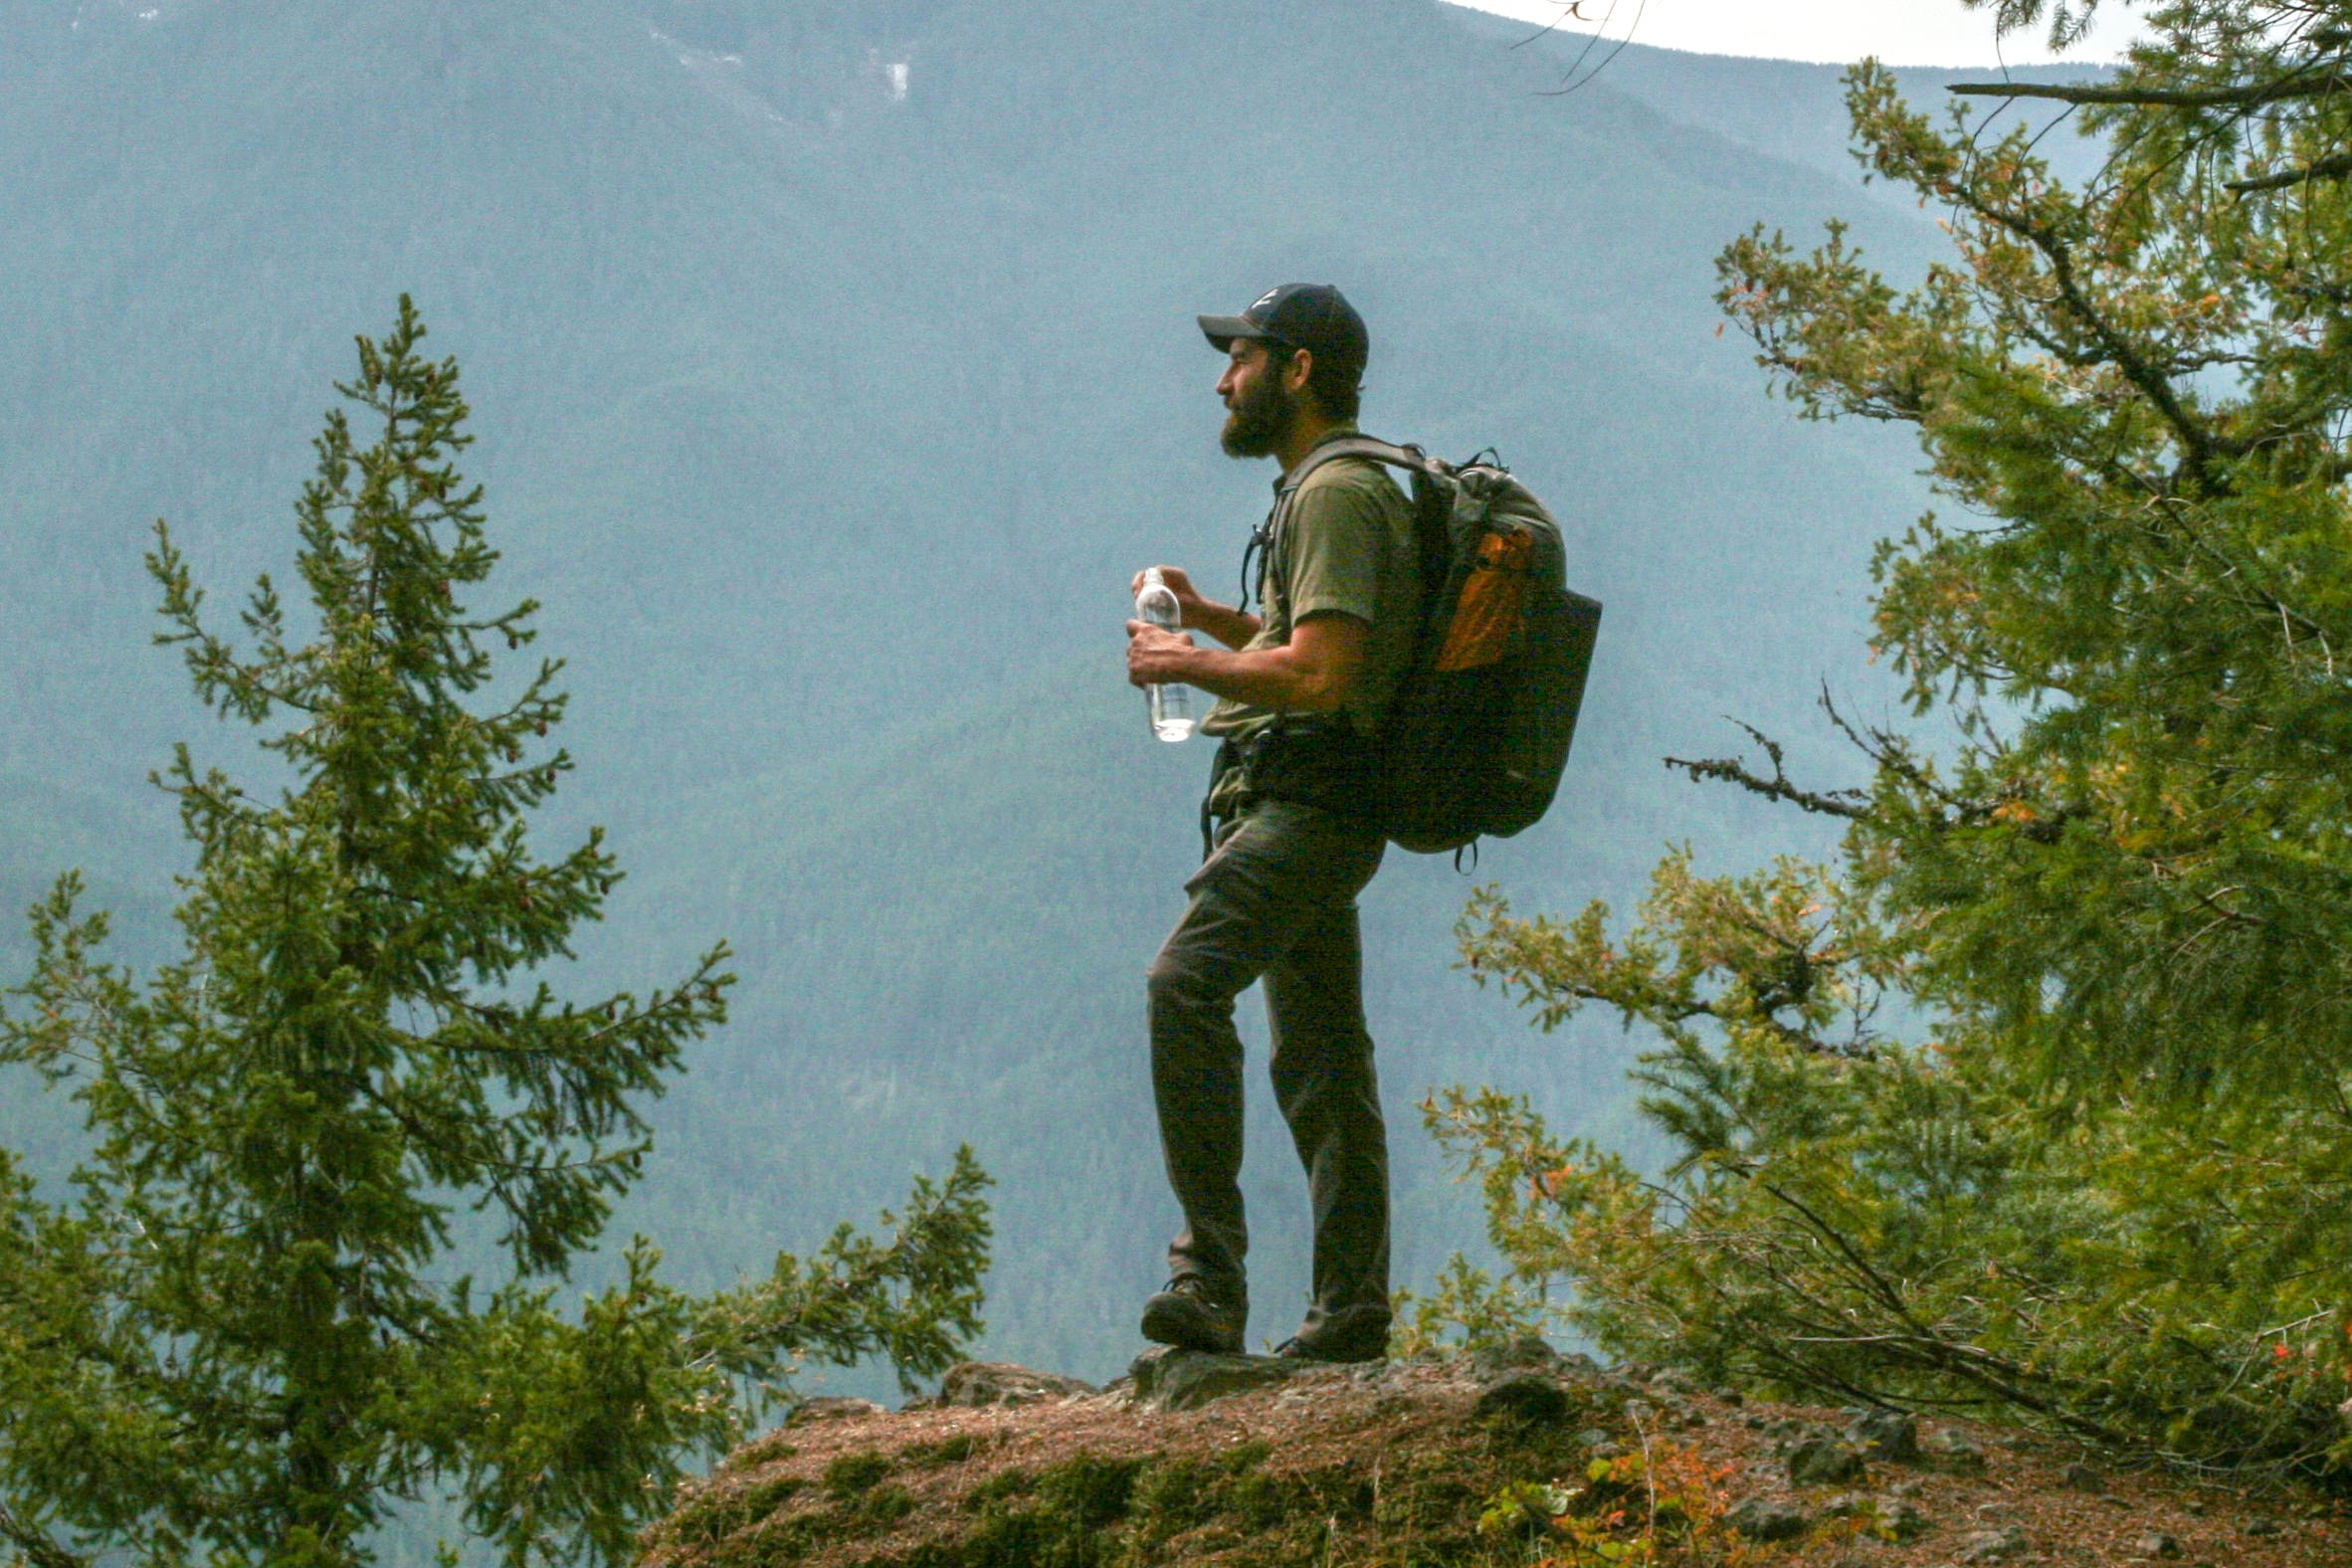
{"type": "Point", "coordinates": [1259, 421]}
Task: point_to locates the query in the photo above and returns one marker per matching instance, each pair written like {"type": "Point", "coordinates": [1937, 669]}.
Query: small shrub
{"type": "Point", "coordinates": [1664, 1505]}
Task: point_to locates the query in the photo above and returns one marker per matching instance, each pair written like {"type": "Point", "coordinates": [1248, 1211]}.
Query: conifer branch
{"type": "Point", "coordinates": [2001, 1376]}
{"type": "Point", "coordinates": [1845, 803]}
{"type": "Point", "coordinates": [2199, 445]}
{"type": "Point", "coordinates": [2316, 78]}
{"type": "Point", "coordinates": [2334, 168]}
{"type": "Point", "coordinates": [40, 1548]}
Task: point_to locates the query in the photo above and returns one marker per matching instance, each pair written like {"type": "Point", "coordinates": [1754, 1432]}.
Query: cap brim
{"type": "Point", "coordinates": [1221, 331]}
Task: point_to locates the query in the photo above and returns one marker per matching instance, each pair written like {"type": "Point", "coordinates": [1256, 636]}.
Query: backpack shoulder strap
{"type": "Point", "coordinates": [1411, 459]}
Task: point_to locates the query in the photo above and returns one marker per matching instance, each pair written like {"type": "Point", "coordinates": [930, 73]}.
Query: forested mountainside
{"type": "Point", "coordinates": [834, 366]}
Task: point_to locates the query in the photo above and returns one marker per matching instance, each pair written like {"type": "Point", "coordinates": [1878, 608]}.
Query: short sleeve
{"type": "Point", "coordinates": [1338, 534]}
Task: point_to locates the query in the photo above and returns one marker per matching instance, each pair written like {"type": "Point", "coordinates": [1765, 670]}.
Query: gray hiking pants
{"type": "Point", "coordinates": [1276, 900]}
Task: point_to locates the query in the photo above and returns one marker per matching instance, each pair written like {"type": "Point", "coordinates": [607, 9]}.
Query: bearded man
{"type": "Point", "coordinates": [1301, 687]}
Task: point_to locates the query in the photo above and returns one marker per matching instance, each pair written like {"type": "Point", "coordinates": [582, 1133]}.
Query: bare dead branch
{"type": "Point", "coordinates": [1846, 803]}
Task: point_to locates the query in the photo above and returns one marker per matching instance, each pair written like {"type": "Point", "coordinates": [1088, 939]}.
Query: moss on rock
{"type": "Point", "coordinates": [851, 1474]}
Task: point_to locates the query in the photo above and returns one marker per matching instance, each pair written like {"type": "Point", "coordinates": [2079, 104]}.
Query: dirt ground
{"type": "Point", "coordinates": [1397, 1464]}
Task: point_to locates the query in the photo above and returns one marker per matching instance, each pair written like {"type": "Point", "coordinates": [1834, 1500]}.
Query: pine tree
{"type": "Point", "coordinates": [241, 1344]}
{"type": "Point", "coordinates": [2105, 1184]}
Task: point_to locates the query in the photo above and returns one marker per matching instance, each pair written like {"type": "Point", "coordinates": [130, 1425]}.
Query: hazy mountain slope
{"type": "Point", "coordinates": [828, 424]}
{"type": "Point", "coordinates": [745, 350]}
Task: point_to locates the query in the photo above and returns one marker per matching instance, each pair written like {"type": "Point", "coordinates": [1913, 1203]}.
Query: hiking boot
{"type": "Point", "coordinates": [1193, 1314]}
{"type": "Point", "coordinates": [1345, 1336]}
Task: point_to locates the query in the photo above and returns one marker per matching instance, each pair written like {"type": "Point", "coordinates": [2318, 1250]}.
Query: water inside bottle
{"type": "Point", "coordinates": [1170, 708]}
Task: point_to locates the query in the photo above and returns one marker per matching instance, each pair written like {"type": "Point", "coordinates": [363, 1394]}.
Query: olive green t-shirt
{"type": "Point", "coordinates": [1347, 548]}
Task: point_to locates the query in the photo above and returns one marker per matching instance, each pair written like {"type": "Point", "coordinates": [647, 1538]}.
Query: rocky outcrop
{"type": "Point", "coordinates": [980, 1383]}
{"type": "Point", "coordinates": [829, 1407]}
{"type": "Point", "coordinates": [1188, 1379]}
{"type": "Point", "coordinates": [1515, 1453]}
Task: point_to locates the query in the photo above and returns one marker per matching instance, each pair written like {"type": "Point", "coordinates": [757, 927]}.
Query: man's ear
{"type": "Point", "coordinates": [1300, 369]}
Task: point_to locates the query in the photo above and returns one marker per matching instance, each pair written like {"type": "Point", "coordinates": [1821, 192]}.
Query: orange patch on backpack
{"type": "Point", "coordinates": [1493, 597]}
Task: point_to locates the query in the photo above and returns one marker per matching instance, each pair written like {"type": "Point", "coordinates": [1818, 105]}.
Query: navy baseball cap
{"type": "Point", "coordinates": [1313, 317]}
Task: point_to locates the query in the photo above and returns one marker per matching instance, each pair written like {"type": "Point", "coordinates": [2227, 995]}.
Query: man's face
{"type": "Point", "coordinates": [1259, 406]}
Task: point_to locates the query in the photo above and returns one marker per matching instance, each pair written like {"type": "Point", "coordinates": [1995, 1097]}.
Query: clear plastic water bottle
{"type": "Point", "coordinates": [1169, 705]}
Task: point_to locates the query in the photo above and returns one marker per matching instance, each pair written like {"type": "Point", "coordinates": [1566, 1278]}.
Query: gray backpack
{"type": "Point", "coordinates": [1477, 734]}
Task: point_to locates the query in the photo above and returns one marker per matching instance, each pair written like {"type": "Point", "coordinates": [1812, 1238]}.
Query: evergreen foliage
{"type": "Point", "coordinates": [240, 1341]}
{"type": "Point", "coordinates": [2104, 1185]}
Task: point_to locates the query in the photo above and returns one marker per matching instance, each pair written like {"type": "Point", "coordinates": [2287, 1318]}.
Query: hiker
{"type": "Point", "coordinates": [1301, 686]}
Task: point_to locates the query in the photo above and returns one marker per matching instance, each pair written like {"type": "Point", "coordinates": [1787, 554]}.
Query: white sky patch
{"type": "Point", "coordinates": [898, 74]}
{"type": "Point", "coordinates": [1898, 32]}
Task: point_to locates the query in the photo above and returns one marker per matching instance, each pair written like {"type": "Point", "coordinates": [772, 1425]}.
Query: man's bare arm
{"type": "Point", "coordinates": [1234, 627]}
{"type": "Point", "coordinates": [1314, 673]}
